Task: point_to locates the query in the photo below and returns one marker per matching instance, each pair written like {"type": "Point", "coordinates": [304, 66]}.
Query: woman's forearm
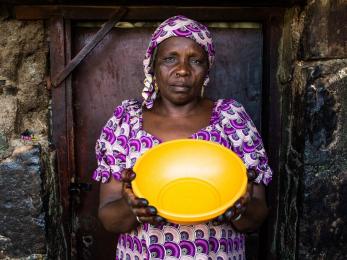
{"type": "Point", "coordinates": [117, 217]}
{"type": "Point", "coordinates": [253, 217]}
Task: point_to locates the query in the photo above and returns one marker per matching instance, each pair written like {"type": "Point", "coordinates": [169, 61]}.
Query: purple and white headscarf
{"type": "Point", "coordinates": [176, 26]}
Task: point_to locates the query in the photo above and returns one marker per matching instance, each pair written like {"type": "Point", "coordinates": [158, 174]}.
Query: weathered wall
{"type": "Point", "coordinates": [22, 219]}
{"type": "Point", "coordinates": [313, 183]}
{"type": "Point", "coordinates": [29, 205]}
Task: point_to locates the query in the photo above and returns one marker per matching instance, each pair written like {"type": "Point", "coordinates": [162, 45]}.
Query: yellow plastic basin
{"type": "Point", "coordinates": [190, 181]}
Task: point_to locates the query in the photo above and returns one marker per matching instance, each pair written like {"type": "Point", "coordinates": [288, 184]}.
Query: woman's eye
{"type": "Point", "coordinates": [196, 61]}
{"type": "Point", "coordinates": [169, 59]}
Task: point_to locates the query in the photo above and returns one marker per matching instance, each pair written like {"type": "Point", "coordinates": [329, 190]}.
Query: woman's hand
{"type": "Point", "coordinates": [140, 208]}
{"type": "Point", "coordinates": [235, 212]}
{"type": "Point", "coordinates": [250, 210]}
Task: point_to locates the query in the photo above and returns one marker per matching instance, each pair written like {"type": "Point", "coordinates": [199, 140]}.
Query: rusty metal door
{"type": "Point", "coordinates": [113, 72]}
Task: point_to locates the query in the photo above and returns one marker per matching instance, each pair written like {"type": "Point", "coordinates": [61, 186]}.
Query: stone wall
{"type": "Point", "coordinates": [29, 205]}
{"type": "Point", "coordinates": [313, 182]}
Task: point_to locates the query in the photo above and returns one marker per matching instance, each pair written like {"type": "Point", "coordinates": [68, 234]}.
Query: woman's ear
{"type": "Point", "coordinates": [155, 84]}
{"type": "Point", "coordinates": [153, 60]}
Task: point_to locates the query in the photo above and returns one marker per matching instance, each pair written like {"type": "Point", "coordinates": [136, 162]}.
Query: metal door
{"type": "Point", "coordinates": [113, 72]}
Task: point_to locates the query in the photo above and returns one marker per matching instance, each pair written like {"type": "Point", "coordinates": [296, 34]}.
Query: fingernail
{"type": "Point", "coordinates": [144, 202]}
{"type": "Point", "coordinates": [228, 214]}
{"type": "Point", "coordinates": [220, 218]}
{"type": "Point", "coordinates": [159, 219]}
{"type": "Point", "coordinates": [238, 205]}
{"type": "Point", "coordinates": [152, 210]}
{"type": "Point", "coordinates": [251, 175]}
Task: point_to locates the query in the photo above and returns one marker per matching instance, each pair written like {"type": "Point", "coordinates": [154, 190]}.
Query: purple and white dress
{"type": "Point", "coordinates": [123, 140]}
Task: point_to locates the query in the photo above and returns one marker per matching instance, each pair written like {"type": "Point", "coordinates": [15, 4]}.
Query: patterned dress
{"type": "Point", "coordinates": [123, 140]}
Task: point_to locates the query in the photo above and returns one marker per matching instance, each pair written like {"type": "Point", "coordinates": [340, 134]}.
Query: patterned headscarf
{"type": "Point", "coordinates": [179, 26]}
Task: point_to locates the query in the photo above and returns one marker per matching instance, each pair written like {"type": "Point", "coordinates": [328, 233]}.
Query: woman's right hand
{"type": "Point", "coordinates": [143, 212]}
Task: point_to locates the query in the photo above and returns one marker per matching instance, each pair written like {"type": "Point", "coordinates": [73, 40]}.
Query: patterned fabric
{"type": "Point", "coordinates": [171, 241]}
{"type": "Point", "coordinates": [176, 26]}
{"type": "Point", "coordinates": [123, 140]}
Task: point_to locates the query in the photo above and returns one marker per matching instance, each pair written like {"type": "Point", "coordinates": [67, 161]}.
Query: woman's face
{"type": "Point", "coordinates": [180, 68]}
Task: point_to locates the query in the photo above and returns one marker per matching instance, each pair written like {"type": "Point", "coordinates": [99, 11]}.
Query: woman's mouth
{"type": "Point", "coordinates": [180, 87]}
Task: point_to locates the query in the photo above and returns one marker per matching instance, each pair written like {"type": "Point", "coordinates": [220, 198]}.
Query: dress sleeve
{"type": "Point", "coordinates": [246, 141]}
{"type": "Point", "coordinates": [111, 146]}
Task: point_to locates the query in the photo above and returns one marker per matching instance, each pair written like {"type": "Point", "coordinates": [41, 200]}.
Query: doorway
{"type": "Point", "coordinates": [113, 72]}
{"type": "Point", "coordinates": [246, 63]}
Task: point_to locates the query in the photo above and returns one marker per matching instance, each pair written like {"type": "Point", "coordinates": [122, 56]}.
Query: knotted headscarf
{"type": "Point", "coordinates": [176, 26]}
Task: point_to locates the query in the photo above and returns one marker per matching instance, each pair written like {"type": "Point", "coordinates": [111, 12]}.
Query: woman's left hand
{"type": "Point", "coordinates": [235, 212]}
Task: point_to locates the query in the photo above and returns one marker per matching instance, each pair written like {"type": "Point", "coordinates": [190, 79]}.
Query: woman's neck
{"type": "Point", "coordinates": [166, 108]}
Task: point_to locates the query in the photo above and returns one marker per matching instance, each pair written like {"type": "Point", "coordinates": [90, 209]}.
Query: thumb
{"type": "Point", "coordinates": [251, 174]}
{"type": "Point", "coordinates": [128, 175]}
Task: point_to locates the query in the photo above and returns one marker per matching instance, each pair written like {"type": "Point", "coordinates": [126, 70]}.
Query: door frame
{"type": "Point", "coordinates": [59, 25]}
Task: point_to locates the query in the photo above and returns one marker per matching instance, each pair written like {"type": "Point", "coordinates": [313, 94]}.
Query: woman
{"type": "Point", "coordinates": [176, 67]}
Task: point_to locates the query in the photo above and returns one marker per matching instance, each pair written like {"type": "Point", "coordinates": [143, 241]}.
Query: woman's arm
{"type": "Point", "coordinates": [255, 209]}
{"type": "Point", "coordinates": [250, 211]}
{"type": "Point", "coordinates": [120, 211]}
{"type": "Point", "coordinates": [114, 212]}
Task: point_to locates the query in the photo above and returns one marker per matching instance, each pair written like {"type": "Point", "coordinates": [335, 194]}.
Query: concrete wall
{"type": "Point", "coordinates": [312, 190]}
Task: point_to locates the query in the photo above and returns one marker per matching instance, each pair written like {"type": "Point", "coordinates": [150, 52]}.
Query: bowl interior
{"type": "Point", "coordinates": [190, 181]}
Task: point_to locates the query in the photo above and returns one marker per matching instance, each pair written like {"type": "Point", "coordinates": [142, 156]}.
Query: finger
{"type": "Point", "coordinates": [146, 219]}
{"type": "Point", "coordinates": [141, 212]}
{"type": "Point", "coordinates": [145, 211]}
{"type": "Point", "coordinates": [251, 174]}
{"type": "Point", "coordinates": [127, 188]}
{"type": "Point", "coordinates": [215, 222]}
{"type": "Point", "coordinates": [237, 217]}
{"type": "Point", "coordinates": [220, 218]}
{"type": "Point", "coordinates": [128, 193]}
{"type": "Point", "coordinates": [234, 213]}
{"type": "Point", "coordinates": [152, 210]}
{"type": "Point", "coordinates": [246, 198]}
{"type": "Point", "coordinates": [237, 208]}
{"type": "Point", "coordinates": [240, 206]}
{"type": "Point", "coordinates": [159, 219]}
{"type": "Point", "coordinates": [127, 175]}
{"type": "Point", "coordinates": [138, 202]}
{"type": "Point", "coordinates": [239, 203]}
{"type": "Point", "coordinates": [154, 220]}
{"type": "Point", "coordinates": [229, 214]}
{"type": "Point", "coordinates": [241, 211]}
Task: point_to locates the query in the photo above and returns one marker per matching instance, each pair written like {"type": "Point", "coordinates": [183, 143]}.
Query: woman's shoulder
{"type": "Point", "coordinates": [230, 109]}
{"type": "Point", "coordinates": [229, 101]}
{"type": "Point", "coordinates": [130, 104]}
{"type": "Point", "coordinates": [127, 106]}
{"type": "Point", "coordinates": [229, 104]}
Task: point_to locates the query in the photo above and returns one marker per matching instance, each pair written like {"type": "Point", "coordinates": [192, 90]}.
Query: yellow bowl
{"type": "Point", "coordinates": [190, 181]}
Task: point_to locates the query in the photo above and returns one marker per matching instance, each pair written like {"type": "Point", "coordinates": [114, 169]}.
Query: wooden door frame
{"type": "Point", "coordinates": [60, 19]}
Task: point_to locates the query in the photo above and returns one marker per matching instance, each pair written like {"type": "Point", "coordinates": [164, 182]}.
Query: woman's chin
{"type": "Point", "coordinates": [183, 98]}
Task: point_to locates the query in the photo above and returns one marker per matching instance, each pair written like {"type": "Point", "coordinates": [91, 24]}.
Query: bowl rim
{"type": "Point", "coordinates": [193, 218]}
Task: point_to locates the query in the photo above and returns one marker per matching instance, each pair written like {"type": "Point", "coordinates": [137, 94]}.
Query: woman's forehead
{"type": "Point", "coordinates": [180, 44]}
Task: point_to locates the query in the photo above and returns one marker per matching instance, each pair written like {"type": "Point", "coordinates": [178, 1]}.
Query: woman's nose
{"type": "Point", "coordinates": [183, 69]}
